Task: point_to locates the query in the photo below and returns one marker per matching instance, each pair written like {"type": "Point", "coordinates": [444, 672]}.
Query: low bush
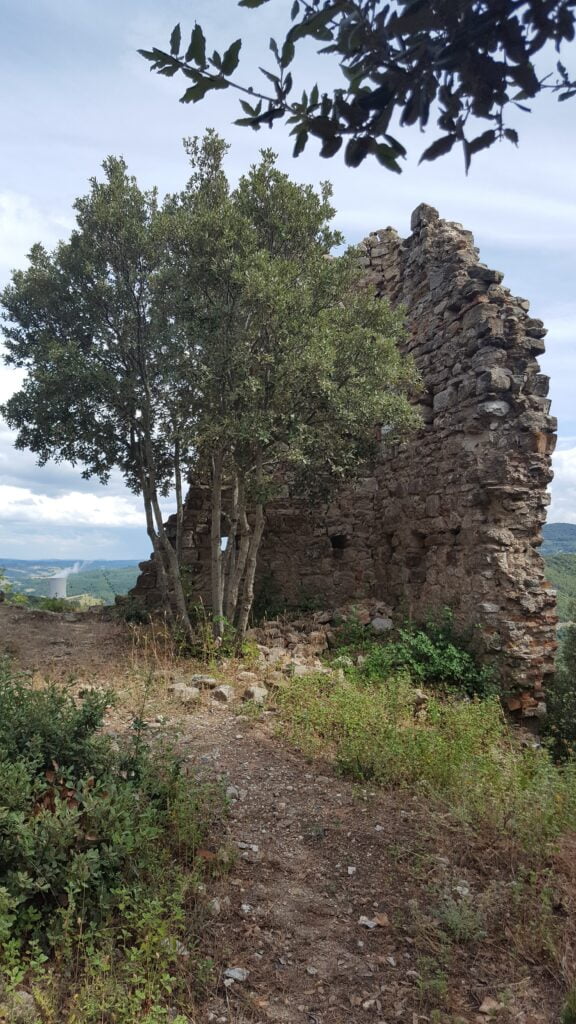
{"type": "Point", "coordinates": [41, 726]}
{"type": "Point", "coordinates": [433, 658]}
{"type": "Point", "coordinates": [98, 867]}
{"type": "Point", "coordinates": [433, 655]}
{"type": "Point", "coordinates": [55, 604]}
{"type": "Point", "coordinates": [560, 725]}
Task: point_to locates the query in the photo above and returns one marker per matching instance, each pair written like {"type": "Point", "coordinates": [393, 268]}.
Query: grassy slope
{"type": "Point", "coordinates": [561, 571]}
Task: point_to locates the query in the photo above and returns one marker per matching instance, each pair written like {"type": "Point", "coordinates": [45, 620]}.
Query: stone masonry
{"type": "Point", "coordinates": [453, 516]}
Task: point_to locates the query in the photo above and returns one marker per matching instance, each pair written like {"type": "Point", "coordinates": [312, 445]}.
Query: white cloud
{"type": "Point", "coordinates": [21, 225]}
{"type": "Point", "coordinates": [75, 508]}
{"type": "Point", "coordinates": [563, 507]}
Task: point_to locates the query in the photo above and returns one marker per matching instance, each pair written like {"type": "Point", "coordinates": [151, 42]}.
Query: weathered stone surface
{"type": "Point", "coordinates": [453, 516]}
{"type": "Point", "coordinates": [223, 693]}
{"type": "Point", "coordinates": [380, 624]}
{"type": "Point", "coordinates": [205, 682]}
{"type": "Point", "coordinates": [258, 694]}
{"type": "Point", "coordinates": [185, 694]}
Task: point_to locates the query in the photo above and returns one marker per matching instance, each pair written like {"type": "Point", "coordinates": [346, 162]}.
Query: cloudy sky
{"type": "Point", "coordinates": [75, 90]}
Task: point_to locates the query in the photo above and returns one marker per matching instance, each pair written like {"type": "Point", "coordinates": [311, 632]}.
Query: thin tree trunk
{"type": "Point", "coordinates": [158, 555]}
{"type": "Point", "coordinates": [241, 560]}
{"type": "Point", "coordinates": [173, 567]}
{"type": "Point", "coordinates": [216, 544]}
{"type": "Point", "coordinates": [229, 560]}
{"type": "Point", "coordinates": [251, 563]}
{"type": "Point", "coordinates": [179, 502]}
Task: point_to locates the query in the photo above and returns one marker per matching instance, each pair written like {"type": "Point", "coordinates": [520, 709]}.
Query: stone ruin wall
{"type": "Point", "coordinates": [453, 516]}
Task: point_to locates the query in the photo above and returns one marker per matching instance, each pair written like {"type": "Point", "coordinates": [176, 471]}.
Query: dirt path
{"type": "Point", "coordinates": [315, 856]}
{"type": "Point", "coordinates": [57, 644]}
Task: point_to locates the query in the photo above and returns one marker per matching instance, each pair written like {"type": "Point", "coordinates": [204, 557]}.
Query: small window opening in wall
{"type": "Point", "coordinates": [339, 541]}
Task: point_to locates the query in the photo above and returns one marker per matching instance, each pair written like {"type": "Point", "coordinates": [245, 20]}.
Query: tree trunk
{"type": "Point", "coordinates": [158, 554]}
{"type": "Point", "coordinates": [216, 544]}
{"type": "Point", "coordinates": [173, 567]}
{"type": "Point", "coordinates": [229, 560]}
{"type": "Point", "coordinates": [239, 569]}
{"type": "Point", "coordinates": [251, 563]}
{"type": "Point", "coordinates": [171, 560]}
{"type": "Point", "coordinates": [179, 502]}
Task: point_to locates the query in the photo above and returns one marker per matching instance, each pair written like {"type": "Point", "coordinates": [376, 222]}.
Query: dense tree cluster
{"type": "Point", "coordinates": [210, 335]}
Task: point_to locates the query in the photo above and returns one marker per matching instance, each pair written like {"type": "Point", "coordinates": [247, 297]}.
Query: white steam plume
{"type": "Point", "coordinates": [71, 571]}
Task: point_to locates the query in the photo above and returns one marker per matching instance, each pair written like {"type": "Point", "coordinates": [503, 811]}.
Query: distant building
{"type": "Point", "coordinates": [56, 586]}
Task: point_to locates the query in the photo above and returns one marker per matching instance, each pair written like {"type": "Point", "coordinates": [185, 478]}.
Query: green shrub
{"type": "Point", "coordinates": [350, 633]}
{"type": "Point", "coordinates": [461, 920]}
{"type": "Point", "coordinates": [9, 594]}
{"type": "Point", "coordinates": [97, 857]}
{"type": "Point", "coordinates": [56, 604]}
{"type": "Point", "coordinates": [39, 727]}
{"type": "Point", "coordinates": [432, 656]}
{"type": "Point", "coordinates": [560, 725]}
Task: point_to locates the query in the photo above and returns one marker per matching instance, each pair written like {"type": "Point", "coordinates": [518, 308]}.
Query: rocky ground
{"type": "Point", "coordinates": [343, 904]}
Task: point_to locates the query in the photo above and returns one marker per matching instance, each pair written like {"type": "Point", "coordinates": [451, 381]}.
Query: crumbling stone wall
{"type": "Point", "coordinates": [453, 516]}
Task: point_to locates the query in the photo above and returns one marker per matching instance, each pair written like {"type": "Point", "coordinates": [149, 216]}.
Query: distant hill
{"type": "Point", "coordinates": [558, 537]}
{"type": "Point", "coordinates": [102, 579]}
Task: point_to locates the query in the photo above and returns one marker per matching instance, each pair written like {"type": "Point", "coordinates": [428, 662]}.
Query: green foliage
{"type": "Point", "coordinates": [433, 655]}
{"type": "Point", "coordinates": [569, 1009]}
{"type": "Point", "coordinates": [454, 750]}
{"type": "Point", "coordinates": [38, 727]}
{"type": "Point", "coordinates": [92, 325]}
{"type": "Point", "coordinates": [432, 984]}
{"type": "Point", "coordinates": [56, 604]}
{"type": "Point", "coordinates": [560, 723]}
{"type": "Point", "coordinates": [461, 920]}
{"type": "Point", "coordinates": [213, 637]}
{"type": "Point", "coordinates": [10, 594]}
{"type": "Point", "coordinates": [561, 571]}
{"type": "Point", "coordinates": [399, 62]}
{"type": "Point", "coordinates": [297, 361]}
{"type": "Point", "coordinates": [212, 335]}
{"type": "Point", "coordinates": [350, 633]}
{"type": "Point", "coordinates": [97, 860]}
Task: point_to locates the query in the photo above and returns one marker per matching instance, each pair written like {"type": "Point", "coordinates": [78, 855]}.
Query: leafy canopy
{"type": "Point", "coordinates": [89, 324]}
{"type": "Point", "coordinates": [214, 334]}
{"type": "Point", "coordinates": [295, 360]}
{"type": "Point", "coordinates": [458, 62]}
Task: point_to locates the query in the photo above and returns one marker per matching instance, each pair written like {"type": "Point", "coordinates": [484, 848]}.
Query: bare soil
{"type": "Point", "coordinates": [316, 854]}
{"type": "Point", "coordinates": [58, 644]}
